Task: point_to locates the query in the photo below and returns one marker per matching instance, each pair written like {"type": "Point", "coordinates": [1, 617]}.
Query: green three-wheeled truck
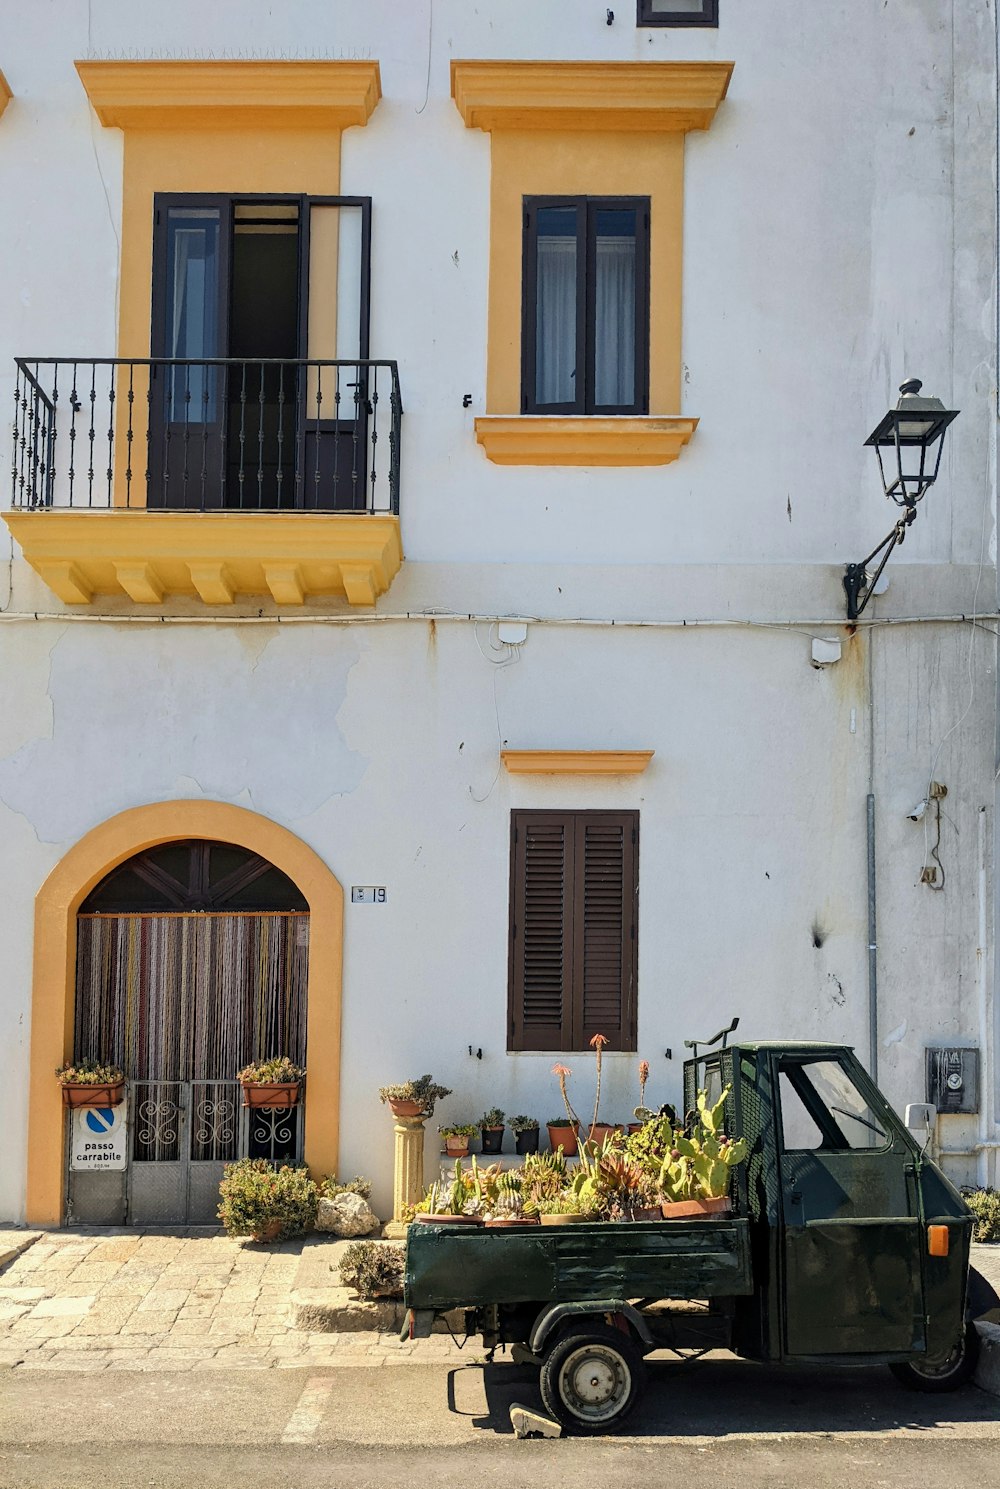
{"type": "Point", "coordinates": [845, 1244]}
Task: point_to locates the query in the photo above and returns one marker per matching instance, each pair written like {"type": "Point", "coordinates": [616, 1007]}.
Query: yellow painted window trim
{"type": "Point", "coordinates": [644, 96]}
{"type": "Point", "coordinates": [216, 557]}
{"type": "Point", "coordinates": [5, 93]}
{"type": "Point", "coordinates": [576, 762]}
{"type": "Point", "coordinates": [232, 94]}
{"type": "Point", "coordinates": [584, 439]}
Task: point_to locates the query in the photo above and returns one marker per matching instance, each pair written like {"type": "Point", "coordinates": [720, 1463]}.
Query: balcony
{"type": "Point", "coordinates": [216, 479]}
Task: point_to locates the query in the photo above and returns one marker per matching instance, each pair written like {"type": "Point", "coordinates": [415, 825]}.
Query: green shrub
{"type": "Point", "coordinates": [985, 1206]}
{"type": "Point", "coordinates": [373, 1268]}
{"type": "Point", "coordinates": [266, 1203]}
{"type": "Point", "coordinates": [329, 1188]}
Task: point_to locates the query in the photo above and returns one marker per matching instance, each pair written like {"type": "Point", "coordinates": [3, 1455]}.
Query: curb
{"type": "Point", "coordinates": [13, 1243]}
{"type": "Point", "coordinates": [335, 1310]}
{"type": "Point", "coordinates": [987, 1376]}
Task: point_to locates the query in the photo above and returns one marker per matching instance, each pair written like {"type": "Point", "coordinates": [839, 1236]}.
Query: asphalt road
{"type": "Point", "coordinates": [365, 1427]}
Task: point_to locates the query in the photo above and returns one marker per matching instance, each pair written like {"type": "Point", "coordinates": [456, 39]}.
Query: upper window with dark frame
{"type": "Point", "coordinates": [574, 909]}
{"type": "Point", "coordinates": [585, 325]}
{"type": "Point", "coordinates": [678, 13]}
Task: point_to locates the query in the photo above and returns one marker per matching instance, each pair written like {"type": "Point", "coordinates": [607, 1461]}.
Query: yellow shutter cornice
{"type": "Point", "coordinates": [232, 94]}
{"type": "Point", "coordinates": [612, 96]}
{"type": "Point", "coordinates": [576, 762]}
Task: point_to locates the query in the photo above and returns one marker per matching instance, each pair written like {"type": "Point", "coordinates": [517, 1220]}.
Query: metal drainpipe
{"type": "Point", "coordinates": [872, 949]}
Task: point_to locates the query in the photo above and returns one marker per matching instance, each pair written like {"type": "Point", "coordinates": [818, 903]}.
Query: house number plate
{"type": "Point", "coordinates": [367, 894]}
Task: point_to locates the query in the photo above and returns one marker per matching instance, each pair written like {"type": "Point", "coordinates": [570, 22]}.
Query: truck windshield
{"type": "Point", "coordinates": [821, 1107]}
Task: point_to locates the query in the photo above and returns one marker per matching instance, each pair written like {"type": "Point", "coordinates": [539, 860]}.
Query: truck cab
{"type": "Point", "coordinates": [859, 1244]}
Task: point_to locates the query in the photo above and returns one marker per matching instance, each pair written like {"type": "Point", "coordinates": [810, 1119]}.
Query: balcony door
{"type": "Point", "coordinates": [260, 314]}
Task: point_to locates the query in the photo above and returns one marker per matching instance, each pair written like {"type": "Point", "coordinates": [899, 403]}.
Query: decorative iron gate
{"type": "Point", "coordinates": [182, 1000]}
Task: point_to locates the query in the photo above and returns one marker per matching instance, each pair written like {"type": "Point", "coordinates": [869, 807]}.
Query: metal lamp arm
{"type": "Point", "coordinates": [858, 593]}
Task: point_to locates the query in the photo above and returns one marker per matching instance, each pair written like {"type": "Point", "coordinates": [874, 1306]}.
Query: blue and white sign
{"type": "Point", "coordinates": [98, 1138]}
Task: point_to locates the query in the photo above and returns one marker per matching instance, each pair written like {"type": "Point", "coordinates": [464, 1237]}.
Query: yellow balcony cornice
{"type": "Point", "coordinates": [568, 439]}
{"type": "Point", "coordinates": [612, 96]}
{"type": "Point", "coordinates": [5, 94]}
{"type": "Point", "coordinates": [576, 762]}
{"type": "Point", "coordinates": [214, 557]}
{"type": "Point", "coordinates": [232, 94]}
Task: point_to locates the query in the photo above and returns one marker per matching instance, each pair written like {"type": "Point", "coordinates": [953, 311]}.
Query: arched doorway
{"type": "Point", "coordinates": [61, 897]}
{"type": "Point", "coordinates": [192, 960]}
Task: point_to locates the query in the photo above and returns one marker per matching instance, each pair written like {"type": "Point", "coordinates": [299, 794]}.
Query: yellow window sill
{"type": "Point", "coordinates": [576, 762]}
{"type": "Point", "coordinates": [213, 556]}
{"type": "Point", "coordinates": [543, 439]}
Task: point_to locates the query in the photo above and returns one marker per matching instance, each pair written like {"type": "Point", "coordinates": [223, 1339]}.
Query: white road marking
{"type": "Point", "coordinates": [309, 1410]}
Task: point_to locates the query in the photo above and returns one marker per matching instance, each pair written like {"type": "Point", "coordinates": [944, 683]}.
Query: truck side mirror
{"type": "Point", "coordinates": [921, 1119]}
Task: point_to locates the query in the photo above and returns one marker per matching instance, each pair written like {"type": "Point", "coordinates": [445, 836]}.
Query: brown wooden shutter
{"type": "Point", "coordinates": [605, 913]}
{"type": "Point", "coordinates": [541, 950]}
{"type": "Point", "coordinates": [573, 931]}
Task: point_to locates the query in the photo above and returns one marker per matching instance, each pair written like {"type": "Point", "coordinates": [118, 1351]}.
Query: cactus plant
{"type": "Point", "coordinates": [699, 1163]}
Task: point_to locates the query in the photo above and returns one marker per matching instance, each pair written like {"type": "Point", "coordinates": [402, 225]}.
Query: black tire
{"type": "Point", "coordinates": [592, 1378]}
{"type": "Point", "coordinates": [948, 1377]}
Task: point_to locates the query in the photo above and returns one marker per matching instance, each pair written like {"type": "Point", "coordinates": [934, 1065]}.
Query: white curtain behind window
{"type": "Point", "coordinates": [555, 321]}
{"type": "Point", "coordinates": [614, 332]}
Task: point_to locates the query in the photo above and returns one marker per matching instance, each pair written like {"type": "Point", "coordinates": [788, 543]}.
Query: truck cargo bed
{"type": "Point", "coordinates": [455, 1266]}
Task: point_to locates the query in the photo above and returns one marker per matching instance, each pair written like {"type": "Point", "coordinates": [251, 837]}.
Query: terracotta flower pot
{"type": "Point", "coordinates": [271, 1093]}
{"type": "Point", "coordinates": [401, 1108]}
{"type": "Point", "coordinates": [601, 1130]}
{"type": "Point", "coordinates": [456, 1147]}
{"type": "Point", "coordinates": [563, 1136]}
{"type": "Point", "coordinates": [517, 1222]}
{"type": "Point", "coordinates": [695, 1209]}
{"type": "Point", "coordinates": [492, 1139]}
{"type": "Point", "coordinates": [562, 1219]}
{"type": "Point", "coordinates": [526, 1141]}
{"type": "Point", "coordinates": [87, 1095]}
{"type": "Point", "coordinates": [635, 1127]}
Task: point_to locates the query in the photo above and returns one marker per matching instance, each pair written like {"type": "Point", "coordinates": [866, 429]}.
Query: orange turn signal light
{"type": "Point", "coordinates": [937, 1240]}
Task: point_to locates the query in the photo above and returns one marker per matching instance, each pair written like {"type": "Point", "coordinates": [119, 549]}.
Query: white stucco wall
{"type": "Point", "coordinates": [839, 235]}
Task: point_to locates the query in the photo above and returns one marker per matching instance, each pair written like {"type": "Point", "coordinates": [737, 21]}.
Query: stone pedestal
{"type": "Point", "coordinates": [408, 1165]}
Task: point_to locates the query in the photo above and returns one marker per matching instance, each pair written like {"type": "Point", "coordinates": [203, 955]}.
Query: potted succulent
{"type": "Point", "coordinates": [267, 1203]}
{"type": "Point", "coordinates": [491, 1126]}
{"type": "Point", "coordinates": [456, 1137]}
{"type": "Point", "coordinates": [89, 1083]}
{"type": "Point", "coordinates": [413, 1098]}
{"type": "Point", "coordinates": [525, 1130]}
{"type": "Point", "coordinates": [694, 1174]}
{"type": "Point", "coordinates": [643, 1078]}
{"type": "Point", "coordinates": [505, 1201]}
{"type": "Point", "coordinates": [563, 1130]}
{"type": "Point", "coordinates": [454, 1204]}
{"type": "Point", "coordinates": [565, 1209]}
{"type": "Point", "coordinates": [276, 1082]}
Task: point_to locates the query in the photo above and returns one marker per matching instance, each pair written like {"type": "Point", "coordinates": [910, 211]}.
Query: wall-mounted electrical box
{"type": "Point", "coordinates": [953, 1079]}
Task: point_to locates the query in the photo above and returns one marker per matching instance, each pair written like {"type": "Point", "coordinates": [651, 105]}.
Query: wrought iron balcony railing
{"type": "Point", "coordinates": [261, 435]}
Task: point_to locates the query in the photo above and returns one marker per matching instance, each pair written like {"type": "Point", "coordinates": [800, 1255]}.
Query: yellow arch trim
{"type": "Point", "coordinates": [54, 980]}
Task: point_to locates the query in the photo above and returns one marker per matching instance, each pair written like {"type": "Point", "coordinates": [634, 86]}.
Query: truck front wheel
{"type": "Point", "coordinates": [947, 1377]}
{"type": "Point", "coordinates": [592, 1378]}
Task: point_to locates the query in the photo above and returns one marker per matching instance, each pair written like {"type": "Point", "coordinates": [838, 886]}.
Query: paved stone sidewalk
{"type": "Point", "coordinates": [128, 1301]}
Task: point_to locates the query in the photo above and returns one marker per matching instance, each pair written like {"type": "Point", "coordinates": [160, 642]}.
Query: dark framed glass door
{"type": "Point", "coordinates": [261, 305]}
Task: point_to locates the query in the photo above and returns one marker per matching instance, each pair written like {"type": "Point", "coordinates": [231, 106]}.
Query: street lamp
{"type": "Point", "coordinates": [914, 424]}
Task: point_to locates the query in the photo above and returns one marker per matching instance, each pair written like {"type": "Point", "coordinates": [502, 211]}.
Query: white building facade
{"type": "Point", "coordinates": [487, 380]}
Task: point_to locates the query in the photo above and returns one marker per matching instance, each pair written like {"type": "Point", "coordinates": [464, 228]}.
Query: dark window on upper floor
{"type": "Point", "coordinates": [574, 908]}
{"type": "Point", "coordinates": [585, 320]}
{"type": "Point", "coordinates": [678, 13]}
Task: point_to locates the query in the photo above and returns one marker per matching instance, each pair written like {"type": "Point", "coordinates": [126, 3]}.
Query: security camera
{"type": "Point", "coordinates": [917, 814]}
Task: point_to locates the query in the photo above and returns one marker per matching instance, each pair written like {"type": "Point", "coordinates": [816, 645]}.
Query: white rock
{"type": "Point", "coordinates": [347, 1215]}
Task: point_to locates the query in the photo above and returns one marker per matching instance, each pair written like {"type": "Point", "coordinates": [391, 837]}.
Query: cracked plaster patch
{"type": "Point", "coordinates": [138, 716]}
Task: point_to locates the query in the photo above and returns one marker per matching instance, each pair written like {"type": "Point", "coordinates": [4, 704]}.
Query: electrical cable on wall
{"type": "Point", "coordinates": [504, 654]}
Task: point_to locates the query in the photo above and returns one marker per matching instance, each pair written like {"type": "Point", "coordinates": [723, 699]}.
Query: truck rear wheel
{"type": "Point", "coordinates": [947, 1377]}
{"type": "Point", "coordinates": [592, 1378]}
